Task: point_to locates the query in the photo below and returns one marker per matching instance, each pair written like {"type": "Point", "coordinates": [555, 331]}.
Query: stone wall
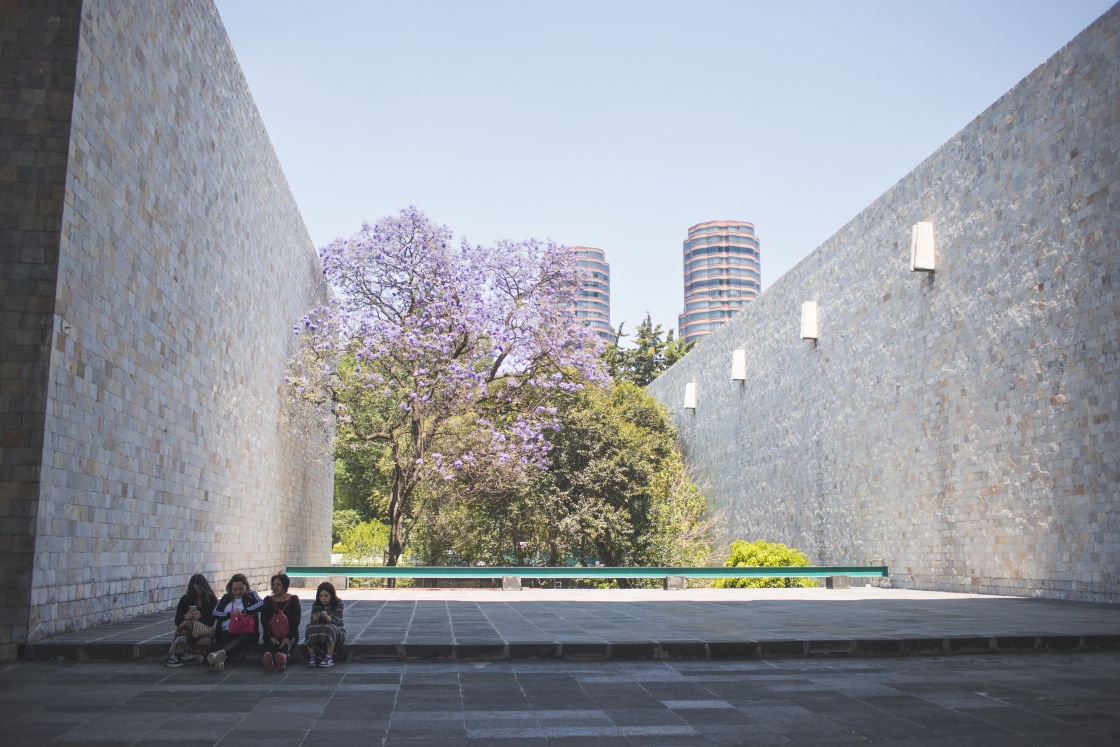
{"type": "Point", "coordinates": [38, 52]}
{"type": "Point", "coordinates": [962, 425]}
{"type": "Point", "coordinates": [157, 225]}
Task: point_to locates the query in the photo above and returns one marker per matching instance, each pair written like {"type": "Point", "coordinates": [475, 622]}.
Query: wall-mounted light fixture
{"type": "Point", "coordinates": [739, 365]}
{"type": "Point", "coordinates": [809, 320]}
{"type": "Point", "coordinates": [921, 248]}
{"type": "Point", "coordinates": [690, 396]}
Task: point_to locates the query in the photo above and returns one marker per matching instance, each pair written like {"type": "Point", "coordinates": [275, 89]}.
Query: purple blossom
{"type": "Point", "coordinates": [443, 336]}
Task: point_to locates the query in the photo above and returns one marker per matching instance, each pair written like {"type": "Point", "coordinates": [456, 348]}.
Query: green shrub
{"type": "Point", "coordinates": [363, 543]}
{"type": "Point", "coordinates": [766, 554]}
{"type": "Point", "coordinates": [343, 519]}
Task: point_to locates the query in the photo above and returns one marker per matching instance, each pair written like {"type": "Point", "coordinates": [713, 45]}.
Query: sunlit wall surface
{"type": "Point", "coordinates": [593, 305]}
{"type": "Point", "coordinates": [960, 425]}
{"type": "Point", "coordinates": [721, 274]}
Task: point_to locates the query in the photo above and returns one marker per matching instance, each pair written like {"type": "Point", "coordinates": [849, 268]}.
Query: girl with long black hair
{"type": "Point", "coordinates": [194, 624]}
{"type": "Point", "coordinates": [325, 629]}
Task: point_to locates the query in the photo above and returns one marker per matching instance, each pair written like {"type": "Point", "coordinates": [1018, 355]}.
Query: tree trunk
{"type": "Point", "coordinates": [396, 524]}
{"type": "Point", "coordinates": [396, 547]}
{"type": "Point", "coordinates": [609, 560]}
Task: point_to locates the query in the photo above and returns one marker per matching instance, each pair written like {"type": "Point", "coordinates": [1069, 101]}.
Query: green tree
{"type": "Point", "coordinates": [766, 554]}
{"type": "Point", "coordinates": [682, 525]}
{"type": "Point", "coordinates": [443, 355]}
{"type": "Point", "coordinates": [361, 482]}
{"type": "Point", "coordinates": [363, 543]}
{"type": "Point", "coordinates": [343, 520]}
{"type": "Point", "coordinates": [599, 489]}
{"type": "Point", "coordinates": [650, 356]}
{"type": "Point", "coordinates": [617, 492]}
{"type": "Point", "coordinates": [361, 475]}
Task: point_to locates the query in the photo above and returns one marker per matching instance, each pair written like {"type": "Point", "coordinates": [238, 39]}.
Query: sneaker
{"type": "Point", "coordinates": [218, 659]}
{"type": "Point", "coordinates": [267, 659]}
{"type": "Point", "coordinates": [312, 661]}
{"type": "Point", "coordinates": [174, 661]}
{"type": "Point", "coordinates": [328, 661]}
{"type": "Point", "coordinates": [281, 662]}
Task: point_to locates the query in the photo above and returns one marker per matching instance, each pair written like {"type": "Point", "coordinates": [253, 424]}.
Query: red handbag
{"type": "Point", "coordinates": [240, 624]}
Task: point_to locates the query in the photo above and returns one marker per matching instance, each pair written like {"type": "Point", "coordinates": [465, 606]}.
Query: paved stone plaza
{"type": "Point", "coordinates": [654, 624]}
{"type": "Point", "coordinates": [1020, 700]}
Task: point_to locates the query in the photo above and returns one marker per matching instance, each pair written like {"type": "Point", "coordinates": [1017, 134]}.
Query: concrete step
{"type": "Point", "coordinates": [618, 651]}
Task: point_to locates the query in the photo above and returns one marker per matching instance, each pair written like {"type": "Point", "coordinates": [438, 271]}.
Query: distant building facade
{"type": "Point", "coordinates": [722, 272]}
{"type": "Point", "coordinates": [593, 303]}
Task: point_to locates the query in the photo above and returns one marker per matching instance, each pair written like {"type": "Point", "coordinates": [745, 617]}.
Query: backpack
{"type": "Point", "coordinates": [278, 623]}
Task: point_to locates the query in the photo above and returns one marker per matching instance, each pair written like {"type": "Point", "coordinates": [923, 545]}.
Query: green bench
{"type": "Point", "coordinates": [838, 576]}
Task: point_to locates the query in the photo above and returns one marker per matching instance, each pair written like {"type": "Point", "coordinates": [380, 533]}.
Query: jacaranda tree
{"type": "Point", "coordinates": [443, 357]}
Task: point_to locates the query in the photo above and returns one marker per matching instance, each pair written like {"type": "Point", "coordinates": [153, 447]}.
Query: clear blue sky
{"type": "Point", "coordinates": [620, 124]}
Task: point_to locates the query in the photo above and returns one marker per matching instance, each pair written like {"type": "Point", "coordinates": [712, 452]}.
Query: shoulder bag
{"type": "Point", "coordinates": [278, 623]}
{"type": "Point", "coordinates": [240, 624]}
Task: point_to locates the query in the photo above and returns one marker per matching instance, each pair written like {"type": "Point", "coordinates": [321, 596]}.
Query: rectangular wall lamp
{"type": "Point", "coordinates": [809, 320]}
{"type": "Point", "coordinates": [739, 365]}
{"type": "Point", "coordinates": [690, 396]}
{"type": "Point", "coordinates": [921, 248]}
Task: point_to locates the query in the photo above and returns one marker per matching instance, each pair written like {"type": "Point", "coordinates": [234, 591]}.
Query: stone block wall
{"type": "Point", "coordinates": [38, 53]}
{"type": "Point", "coordinates": [161, 266]}
{"type": "Point", "coordinates": [962, 425]}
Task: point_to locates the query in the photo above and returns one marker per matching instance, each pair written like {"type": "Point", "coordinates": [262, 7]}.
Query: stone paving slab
{"type": "Point", "coordinates": [1020, 700]}
{"type": "Point", "coordinates": [652, 624]}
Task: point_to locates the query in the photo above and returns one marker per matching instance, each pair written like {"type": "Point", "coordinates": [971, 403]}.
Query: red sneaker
{"type": "Point", "coordinates": [281, 662]}
{"type": "Point", "coordinates": [268, 665]}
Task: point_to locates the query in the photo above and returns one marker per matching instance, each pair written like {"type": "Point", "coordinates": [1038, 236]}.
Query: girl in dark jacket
{"type": "Point", "coordinates": [280, 603]}
{"type": "Point", "coordinates": [194, 624]}
{"type": "Point", "coordinates": [240, 602]}
{"type": "Point", "coordinates": [325, 629]}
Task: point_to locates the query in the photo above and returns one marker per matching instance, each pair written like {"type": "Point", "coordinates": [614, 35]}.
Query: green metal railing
{"type": "Point", "coordinates": [575, 571]}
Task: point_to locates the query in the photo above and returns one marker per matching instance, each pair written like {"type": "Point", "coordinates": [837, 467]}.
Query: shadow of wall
{"type": "Point", "coordinates": [181, 263]}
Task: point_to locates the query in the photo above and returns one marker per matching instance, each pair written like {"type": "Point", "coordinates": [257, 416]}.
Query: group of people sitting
{"type": "Point", "coordinates": [208, 629]}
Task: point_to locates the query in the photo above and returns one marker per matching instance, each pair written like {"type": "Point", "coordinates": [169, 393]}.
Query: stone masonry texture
{"type": "Point", "coordinates": [154, 262]}
{"type": "Point", "coordinates": [961, 426]}
{"type": "Point", "coordinates": [38, 53]}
